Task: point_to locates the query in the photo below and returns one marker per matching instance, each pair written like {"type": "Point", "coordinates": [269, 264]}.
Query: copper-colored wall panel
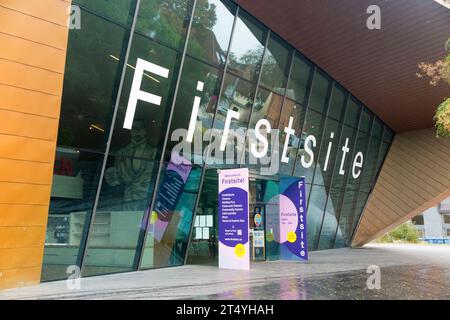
{"type": "Point", "coordinates": [33, 42]}
{"type": "Point", "coordinates": [22, 215]}
{"type": "Point", "coordinates": [414, 177]}
{"type": "Point", "coordinates": [31, 125]}
{"type": "Point", "coordinates": [40, 9]}
{"type": "Point", "coordinates": [17, 50]}
{"type": "Point", "coordinates": [25, 171]}
{"type": "Point", "coordinates": [20, 148]}
{"type": "Point", "coordinates": [14, 258]}
{"type": "Point", "coordinates": [27, 101]}
{"type": "Point", "coordinates": [377, 66]}
{"type": "Point", "coordinates": [19, 277]}
{"type": "Point", "coordinates": [34, 29]}
{"type": "Point", "coordinates": [32, 78]}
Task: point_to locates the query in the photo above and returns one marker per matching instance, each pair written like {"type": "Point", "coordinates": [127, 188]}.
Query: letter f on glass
{"type": "Point", "coordinates": [136, 92]}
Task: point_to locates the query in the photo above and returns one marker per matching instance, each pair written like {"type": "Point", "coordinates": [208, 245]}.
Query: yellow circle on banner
{"type": "Point", "coordinates": [239, 250]}
{"type": "Point", "coordinates": [291, 237]}
{"type": "Point", "coordinates": [153, 217]}
{"type": "Point", "coordinates": [270, 237]}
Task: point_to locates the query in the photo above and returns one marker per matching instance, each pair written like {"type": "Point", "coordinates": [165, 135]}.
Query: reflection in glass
{"type": "Point", "coordinates": [327, 157]}
{"type": "Point", "coordinates": [90, 83]}
{"type": "Point", "coordinates": [165, 21]}
{"type": "Point", "coordinates": [316, 207]}
{"type": "Point", "coordinates": [197, 80]}
{"type": "Point", "coordinates": [127, 188]}
{"type": "Point", "coordinates": [118, 11]}
{"type": "Point", "coordinates": [211, 31]}
{"type": "Point", "coordinates": [247, 48]}
{"type": "Point", "coordinates": [343, 164]}
{"type": "Point", "coordinates": [337, 103]}
{"type": "Point", "coordinates": [296, 141]}
{"type": "Point", "coordinates": [276, 65]}
{"type": "Point", "coordinates": [204, 250]}
{"type": "Point", "coordinates": [320, 92]}
{"type": "Point", "coordinates": [172, 215]}
{"type": "Point", "coordinates": [313, 126]}
{"type": "Point", "coordinates": [329, 226]}
{"type": "Point", "coordinates": [75, 180]}
{"type": "Point", "coordinates": [267, 106]}
{"type": "Point", "coordinates": [352, 113]}
{"type": "Point", "coordinates": [300, 80]}
{"type": "Point", "coordinates": [125, 215]}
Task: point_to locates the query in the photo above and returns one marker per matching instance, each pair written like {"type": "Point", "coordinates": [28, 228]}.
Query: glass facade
{"type": "Point", "coordinates": [109, 208]}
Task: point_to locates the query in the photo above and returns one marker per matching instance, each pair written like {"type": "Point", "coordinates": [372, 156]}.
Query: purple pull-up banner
{"type": "Point", "coordinates": [293, 238]}
{"type": "Point", "coordinates": [233, 219]}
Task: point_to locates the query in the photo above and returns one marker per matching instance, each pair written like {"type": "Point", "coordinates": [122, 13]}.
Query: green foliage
{"type": "Point", "coordinates": [437, 72]}
{"type": "Point", "coordinates": [403, 233]}
{"type": "Point", "coordinates": [442, 119]}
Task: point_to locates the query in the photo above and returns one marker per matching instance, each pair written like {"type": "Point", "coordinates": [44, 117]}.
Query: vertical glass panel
{"type": "Point", "coordinates": [320, 92]}
{"type": "Point", "coordinates": [352, 113]}
{"type": "Point", "coordinates": [132, 163]}
{"type": "Point", "coordinates": [94, 65]}
{"type": "Point", "coordinates": [172, 216]}
{"type": "Point", "coordinates": [267, 106]}
{"type": "Point", "coordinates": [313, 127]}
{"type": "Point", "coordinates": [75, 180]}
{"type": "Point", "coordinates": [238, 96]}
{"type": "Point", "coordinates": [118, 11]}
{"type": "Point", "coordinates": [204, 249]}
{"type": "Point", "coordinates": [340, 241]}
{"type": "Point", "coordinates": [271, 200]}
{"type": "Point", "coordinates": [316, 207]}
{"type": "Point", "coordinates": [344, 159]}
{"type": "Point", "coordinates": [275, 68]}
{"type": "Point", "coordinates": [116, 227]}
{"type": "Point", "coordinates": [300, 80]}
{"type": "Point", "coordinates": [370, 165]}
{"type": "Point", "coordinates": [247, 47]}
{"type": "Point", "coordinates": [382, 155]}
{"type": "Point", "coordinates": [388, 134]}
{"type": "Point", "coordinates": [211, 30]}
{"type": "Point", "coordinates": [329, 226]}
{"type": "Point", "coordinates": [361, 145]}
{"type": "Point", "coordinates": [198, 80]}
{"type": "Point", "coordinates": [377, 128]}
{"type": "Point", "coordinates": [337, 103]}
{"type": "Point", "coordinates": [366, 121]}
{"type": "Point", "coordinates": [360, 206]}
{"type": "Point", "coordinates": [327, 157]}
{"type": "Point", "coordinates": [165, 21]}
{"type": "Point", "coordinates": [91, 79]}
{"type": "Point", "coordinates": [297, 112]}
{"type": "Point", "coordinates": [347, 218]}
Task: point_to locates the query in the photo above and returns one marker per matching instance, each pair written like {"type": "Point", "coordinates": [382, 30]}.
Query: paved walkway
{"type": "Point", "coordinates": [407, 272]}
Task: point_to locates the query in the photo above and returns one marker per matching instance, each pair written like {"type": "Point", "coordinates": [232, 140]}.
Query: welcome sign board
{"type": "Point", "coordinates": [233, 219]}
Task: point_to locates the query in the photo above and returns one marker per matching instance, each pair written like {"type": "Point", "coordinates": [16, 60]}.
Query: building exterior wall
{"type": "Point", "coordinates": [414, 177]}
{"type": "Point", "coordinates": [110, 180]}
{"type": "Point", "coordinates": [33, 37]}
{"type": "Point", "coordinates": [86, 186]}
{"type": "Point", "coordinates": [434, 224]}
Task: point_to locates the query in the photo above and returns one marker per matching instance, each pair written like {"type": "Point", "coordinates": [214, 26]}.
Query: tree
{"type": "Point", "coordinates": [437, 72]}
{"type": "Point", "coordinates": [403, 233]}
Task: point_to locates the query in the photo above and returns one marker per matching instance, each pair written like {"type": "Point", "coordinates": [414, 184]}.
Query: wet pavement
{"type": "Point", "coordinates": [422, 282]}
{"type": "Point", "coordinates": [406, 272]}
